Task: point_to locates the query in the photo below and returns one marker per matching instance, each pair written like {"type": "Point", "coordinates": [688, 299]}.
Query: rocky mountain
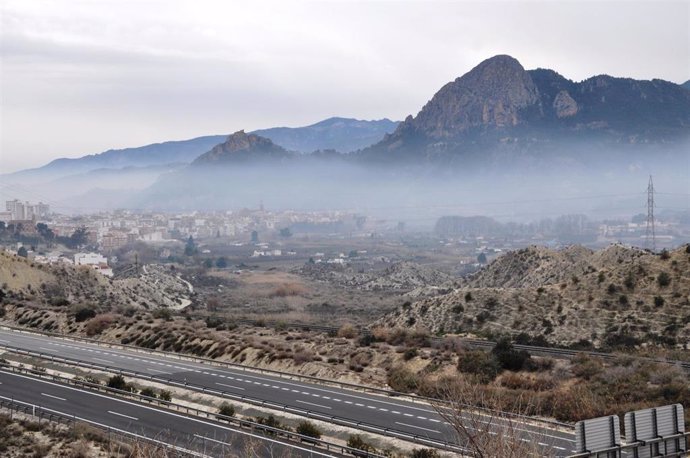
{"type": "Point", "coordinates": [500, 107]}
{"type": "Point", "coordinates": [686, 85]}
{"type": "Point", "coordinates": [241, 147]}
{"type": "Point", "coordinates": [614, 297]}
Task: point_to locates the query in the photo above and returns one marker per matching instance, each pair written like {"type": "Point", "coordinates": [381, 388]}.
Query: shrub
{"type": "Point", "coordinates": [84, 313]}
{"type": "Point", "coordinates": [226, 410]}
{"type": "Point", "coordinates": [118, 382]}
{"type": "Point", "coordinates": [664, 279]}
{"type": "Point", "coordinates": [658, 301]}
{"type": "Point", "coordinates": [288, 289]}
{"type": "Point", "coordinates": [468, 297]}
{"type": "Point", "coordinates": [163, 313]}
{"type": "Point", "coordinates": [480, 363]}
{"type": "Point", "coordinates": [424, 453]}
{"type": "Point", "coordinates": [356, 441]}
{"type": "Point", "coordinates": [149, 392]}
{"type": "Point", "coordinates": [508, 357]}
{"type": "Point", "coordinates": [307, 428]}
{"type": "Point", "coordinates": [403, 380]}
{"type": "Point", "coordinates": [99, 324]}
{"type": "Point", "coordinates": [664, 254]}
{"type": "Point", "coordinates": [586, 367]}
{"type": "Point", "coordinates": [612, 289]}
{"type": "Point", "coordinates": [410, 353]}
{"type": "Point", "coordinates": [165, 395]}
{"type": "Point", "coordinates": [347, 331]}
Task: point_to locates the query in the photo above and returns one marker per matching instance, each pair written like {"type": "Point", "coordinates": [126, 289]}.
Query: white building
{"type": "Point", "coordinates": [95, 260]}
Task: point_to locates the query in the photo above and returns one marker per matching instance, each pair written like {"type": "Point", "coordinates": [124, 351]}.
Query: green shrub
{"type": "Point", "coordinates": [509, 358]}
{"type": "Point", "coordinates": [165, 395]}
{"type": "Point", "coordinates": [658, 301]}
{"type": "Point", "coordinates": [307, 428]}
{"type": "Point", "coordinates": [424, 453]}
{"type": "Point", "coordinates": [84, 313]}
{"type": "Point", "coordinates": [479, 363]}
{"type": "Point", "coordinates": [356, 441]}
{"type": "Point", "coordinates": [149, 392]}
{"type": "Point", "coordinates": [227, 410]}
{"type": "Point", "coordinates": [664, 279]}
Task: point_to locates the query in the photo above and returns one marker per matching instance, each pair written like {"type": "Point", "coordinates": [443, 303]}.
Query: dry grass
{"type": "Point", "coordinates": [288, 289]}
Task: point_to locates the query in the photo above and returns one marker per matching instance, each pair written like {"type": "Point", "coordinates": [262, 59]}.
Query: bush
{"type": "Point", "coordinates": [410, 353]}
{"type": "Point", "coordinates": [98, 324]}
{"type": "Point", "coordinates": [118, 382]}
{"type": "Point", "coordinates": [509, 358]}
{"type": "Point", "coordinates": [468, 297]}
{"type": "Point", "coordinates": [347, 331]}
{"type": "Point", "coordinates": [227, 410]}
{"type": "Point", "coordinates": [479, 363]}
{"type": "Point", "coordinates": [403, 380]}
{"type": "Point", "coordinates": [84, 313]}
{"type": "Point", "coordinates": [163, 313]}
{"type": "Point", "coordinates": [356, 441]}
{"type": "Point", "coordinates": [424, 453]}
{"type": "Point", "coordinates": [165, 395]}
{"type": "Point", "coordinates": [664, 279]}
{"type": "Point", "coordinates": [307, 428]}
{"type": "Point", "coordinates": [664, 254]}
{"type": "Point", "coordinates": [149, 392]}
{"type": "Point", "coordinates": [658, 301]}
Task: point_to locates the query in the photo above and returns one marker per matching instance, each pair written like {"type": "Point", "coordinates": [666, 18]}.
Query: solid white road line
{"type": "Point", "coordinates": [418, 427]}
{"type": "Point", "coordinates": [54, 397]}
{"type": "Point", "coordinates": [230, 386]}
{"type": "Point", "coordinates": [123, 415]}
{"type": "Point", "coordinates": [312, 404]}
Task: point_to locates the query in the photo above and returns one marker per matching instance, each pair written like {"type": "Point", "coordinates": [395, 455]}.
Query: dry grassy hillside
{"type": "Point", "coordinates": [614, 297]}
{"type": "Point", "coordinates": [25, 282]}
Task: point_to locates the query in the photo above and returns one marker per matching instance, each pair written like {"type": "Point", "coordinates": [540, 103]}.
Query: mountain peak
{"type": "Point", "coordinates": [240, 147]}
{"type": "Point", "coordinates": [491, 94]}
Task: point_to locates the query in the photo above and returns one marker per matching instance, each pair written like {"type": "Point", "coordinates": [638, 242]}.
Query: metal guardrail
{"type": "Point", "coordinates": [298, 377]}
{"type": "Point", "coordinates": [617, 451]}
{"type": "Point", "coordinates": [117, 435]}
{"type": "Point", "coordinates": [342, 421]}
{"type": "Point", "coordinates": [231, 421]}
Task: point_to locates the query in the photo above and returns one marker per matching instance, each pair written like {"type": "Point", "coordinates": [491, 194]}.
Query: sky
{"type": "Point", "coordinates": [82, 76]}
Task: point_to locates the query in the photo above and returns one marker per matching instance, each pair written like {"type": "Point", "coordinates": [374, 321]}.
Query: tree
{"type": "Point", "coordinates": [190, 247]}
{"type": "Point", "coordinates": [22, 252]}
{"type": "Point", "coordinates": [481, 259]}
{"type": "Point", "coordinates": [221, 262]}
{"type": "Point", "coordinates": [488, 433]}
{"type": "Point", "coordinates": [255, 237]}
{"type": "Point", "coordinates": [208, 263]}
{"type": "Point", "coordinates": [78, 238]}
{"type": "Point", "coordinates": [664, 279]}
{"type": "Point", "coordinates": [285, 232]}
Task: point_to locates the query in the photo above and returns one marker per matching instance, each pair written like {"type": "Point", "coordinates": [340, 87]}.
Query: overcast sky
{"type": "Point", "coordinates": [83, 76]}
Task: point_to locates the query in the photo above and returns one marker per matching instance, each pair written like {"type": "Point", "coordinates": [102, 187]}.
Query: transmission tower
{"type": "Point", "coordinates": [650, 236]}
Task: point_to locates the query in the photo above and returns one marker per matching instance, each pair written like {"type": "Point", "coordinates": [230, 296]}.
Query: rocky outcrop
{"type": "Point", "coordinates": [564, 105]}
{"type": "Point", "coordinates": [242, 147]}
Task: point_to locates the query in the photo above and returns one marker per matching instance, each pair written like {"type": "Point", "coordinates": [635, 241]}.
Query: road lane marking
{"type": "Point", "coordinates": [312, 404]}
{"type": "Point", "coordinates": [160, 372]}
{"type": "Point", "coordinates": [123, 415]}
{"type": "Point", "coordinates": [230, 386]}
{"type": "Point", "coordinates": [104, 360]}
{"type": "Point", "coordinates": [418, 427]}
{"type": "Point", "coordinates": [54, 397]}
{"type": "Point", "coordinates": [47, 349]}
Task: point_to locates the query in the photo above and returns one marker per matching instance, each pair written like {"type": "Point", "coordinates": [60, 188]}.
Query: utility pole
{"type": "Point", "coordinates": [650, 235]}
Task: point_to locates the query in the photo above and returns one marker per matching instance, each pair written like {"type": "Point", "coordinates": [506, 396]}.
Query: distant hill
{"type": "Point", "coordinates": [612, 297]}
{"type": "Point", "coordinates": [340, 134]}
{"type": "Point", "coordinates": [501, 111]}
{"type": "Point", "coordinates": [686, 85]}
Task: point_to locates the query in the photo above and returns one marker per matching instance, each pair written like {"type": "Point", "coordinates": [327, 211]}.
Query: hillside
{"type": "Point", "coordinates": [36, 291]}
{"type": "Point", "coordinates": [242, 147]}
{"type": "Point", "coordinates": [614, 297]}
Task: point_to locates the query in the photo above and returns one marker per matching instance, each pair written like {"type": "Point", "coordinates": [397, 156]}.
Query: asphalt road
{"type": "Point", "coordinates": [189, 433]}
{"type": "Point", "coordinates": [384, 412]}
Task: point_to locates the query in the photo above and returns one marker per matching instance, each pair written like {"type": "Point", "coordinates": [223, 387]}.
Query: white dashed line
{"type": "Point", "coordinates": [418, 427]}
{"type": "Point", "coordinates": [54, 397]}
{"type": "Point", "coordinates": [312, 404]}
{"type": "Point", "coordinates": [123, 415]}
{"type": "Point", "coordinates": [230, 386]}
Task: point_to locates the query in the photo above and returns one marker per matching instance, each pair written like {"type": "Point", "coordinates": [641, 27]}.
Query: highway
{"type": "Point", "coordinates": [397, 416]}
{"type": "Point", "coordinates": [203, 436]}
